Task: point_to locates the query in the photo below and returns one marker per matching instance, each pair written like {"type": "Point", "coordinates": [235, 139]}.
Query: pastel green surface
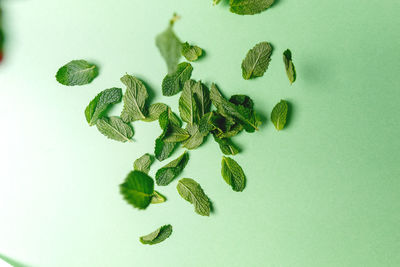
{"type": "Point", "coordinates": [322, 192]}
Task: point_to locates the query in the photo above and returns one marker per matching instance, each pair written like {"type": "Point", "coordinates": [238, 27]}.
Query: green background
{"type": "Point", "coordinates": [322, 192]}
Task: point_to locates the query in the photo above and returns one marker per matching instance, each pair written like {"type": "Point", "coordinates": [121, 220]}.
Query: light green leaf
{"type": "Point", "coordinates": [226, 146]}
{"type": "Point", "coordinates": [194, 101]}
{"type": "Point", "coordinates": [170, 46]}
{"type": "Point", "coordinates": [158, 198]}
{"type": "Point", "coordinates": [249, 7]}
{"type": "Point", "coordinates": [138, 189]}
{"type": "Point", "coordinates": [243, 115]}
{"type": "Point", "coordinates": [100, 103]}
{"type": "Point", "coordinates": [233, 174]}
{"type": "Point", "coordinates": [77, 72]}
{"type": "Point", "coordinates": [201, 95]}
{"type": "Point", "coordinates": [169, 172]}
{"type": "Point", "coordinates": [191, 191]}
{"type": "Point", "coordinates": [216, 2]}
{"type": "Point", "coordinates": [173, 83]}
{"type": "Point", "coordinates": [115, 128]}
{"type": "Point", "coordinates": [196, 137]}
{"type": "Point", "coordinates": [191, 52]}
{"type": "Point", "coordinates": [256, 61]}
{"type": "Point", "coordinates": [134, 99]}
{"type": "Point", "coordinates": [175, 134]}
{"type": "Point", "coordinates": [157, 236]}
{"type": "Point", "coordinates": [155, 111]}
{"type": "Point", "coordinates": [289, 66]}
{"type": "Point", "coordinates": [279, 115]}
{"type": "Point", "coordinates": [143, 163]}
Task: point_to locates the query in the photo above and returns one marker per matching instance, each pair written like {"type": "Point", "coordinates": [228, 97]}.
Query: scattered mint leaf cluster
{"type": "Point", "coordinates": [204, 111]}
{"type": "Point", "coordinates": [77, 72]}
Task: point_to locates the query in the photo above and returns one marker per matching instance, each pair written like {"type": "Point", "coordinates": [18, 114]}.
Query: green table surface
{"type": "Point", "coordinates": [322, 192]}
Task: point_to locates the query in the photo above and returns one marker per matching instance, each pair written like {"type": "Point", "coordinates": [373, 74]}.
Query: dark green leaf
{"type": "Point", "coordinates": [100, 103]}
{"type": "Point", "coordinates": [256, 61]}
{"type": "Point", "coordinates": [173, 83]}
{"type": "Point", "coordinates": [77, 72]}
{"type": "Point", "coordinates": [157, 236]}
{"type": "Point", "coordinates": [143, 163]}
{"type": "Point", "coordinates": [155, 111]}
{"type": "Point", "coordinates": [163, 150]}
{"type": "Point", "coordinates": [191, 52]}
{"type": "Point", "coordinates": [115, 128]}
{"type": "Point", "coordinates": [170, 46]}
{"type": "Point", "coordinates": [233, 174]}
{"type": "Point", "coordinates": [134, 99]}
{"type": "Point", "coordinates": [191, 191]}
{"type": "Point", "coordinates": [196, 137]}
{"type": "Point", "coordinates": [289, 66]}
{"type": "Point", "coordinates": [249, 7]}
{"type": "Point", "coordinates": [279, 115]}
{"type": "Point", "coordinates": [194, 101]}
{"type": "Point", "coordinates": [138, 189]}
{"type": "Point", "coordinates": [175, 134]}
{"type": "Point", "coordinates": [169, 172]}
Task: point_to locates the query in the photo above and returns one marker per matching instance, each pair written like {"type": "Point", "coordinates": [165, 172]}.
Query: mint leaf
{"type": "Point", "coordinates": [226, 146]}
{"type": "Point", "coordinates": [196, 137]}
{"type": "Point", "coordinates": [247, 117]}
{"type": "Point", "coordinates": [194, 101]}
{"type": "Point", "coordinates": [100, 103]}
{"type": "Point", "coordinates": [289, 66]}
{"type": "Point", "coordinates": [173, 83]}
{"type": "Point", "coordinates": [143, 163]}
{"type": "Point", "coordinates": [169, 172]}
{"type": "Point", "coordinates": [138, 189]}
{"type": "Point", "coordinates": [279, 115]}
{"type": "Point", "coordinates": [249, 7]}
{"type": "Point", "coordinates": [191, 52]}
{"type": "Point", "coordinates": [77, 72]}
{"type": "Point", "coordinates": [115, 128]}
{"type": "Point", "coordinates": [163, 150]}
{"type": "Point", "coordinates": [134, 99]}
{"type": "Point", "coordinates": [256, 61]}
{"type": "Point", "coordinates": [216, 2]}
{"type": "Point", "coordinates": [157, 236]}
{"type": "Point", "coordinates": [155, 111]}
{"type": "Point", "coordinates": [233, 174]}
{"type": "Point", "coordinates": [175, 134]}
{"type": "Point", "coordinates": [191, 191]}
{"type": "Point", "coordinates": [170, 46]}
{"type": "Point", "coordinates": [158, 198]}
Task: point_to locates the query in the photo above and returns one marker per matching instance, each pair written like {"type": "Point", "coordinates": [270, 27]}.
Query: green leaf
{"type": "Point", "coordinates": [157, 236]}
{"type": "Point", "coordinates": [77, 72]}
{"type": "Point", "coordinates": [233, 174]}
{"type": "Point", "coordinates": [138, 189]}
{"type": "Point", "coordinates": [143, 163]}
{"type": "Point", "coordinates": [191, 52]}
{"type": "Point", "coordinates": [249, 7]}
{"type": "Point", "coordinates": [100, 103]}
{"type": "Point", "coordinates": [289, 66]}
{"type": "Point", "coordinates": [256, 61]}
{"type": "Point", "coordinates": [196, 137]}
{"type": "Point", "coordinates": [191, 191]}
{"type": "Point", "coordinates": [175, 134]}
{"type": "Point", "coordinates": [169, 172]}
{"type": "Point", "coordinates": [163, 150]}
{"type": "Point", "coordinates": [173, 83]}
{"type": "Point", "coordinates": [247, 117]}
{"type": "Point", "coordinates": [155, 111]}
{"type": "Point", "coordinates": [226, 146]}
{"type": "Point", "coordinates": [279, 115]}
{"type": "Point", "coordinates": [170, 46]}
{"type": "Point", "coordinates": [194, 101]}
{"type": "Point", "coordinates": [216, 2]}
{"type": "Point", "coordinates": [115, 128]}
{"type": "Point", "coordinates": [134, 99]}
{"type": "Point", "coordinates": [206, 123]}
{"type": "Point", "coordinates": [158, 198]}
